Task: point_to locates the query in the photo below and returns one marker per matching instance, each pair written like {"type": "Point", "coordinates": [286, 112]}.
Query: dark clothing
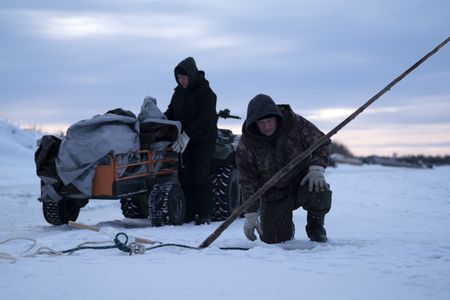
{"type": "Point", "coordinates": [45, 155]}
{"type": "Point", "coordinates": [51, 184]}
{"type": "Point", "coordinates": [194, 175]}
{"type": "Point", "coordinates": [195, 107]}
{"type": "Point", "coordinates": [260, 157]}
{"type": "Point", "coordinates": [276, 216]}
{"type": "Point", "coordinates": [259, 107]}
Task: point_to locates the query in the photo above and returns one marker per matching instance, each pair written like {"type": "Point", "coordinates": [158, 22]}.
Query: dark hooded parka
{"type": "Point", "coordinates": [260, 157]}
{"type": "Point", "coordinates": [195, 107]}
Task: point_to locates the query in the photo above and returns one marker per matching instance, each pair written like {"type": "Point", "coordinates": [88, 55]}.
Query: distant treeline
{"type": "Point", "coordinates": [414, 159]}
{"type": "Point", "coordinates": [426, 159]}
{"type": "Point", "coordinates": [340, 149]}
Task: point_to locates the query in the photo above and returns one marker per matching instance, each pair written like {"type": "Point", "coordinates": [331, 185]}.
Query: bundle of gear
{"type": "Point", "coordinates": [119, 156]}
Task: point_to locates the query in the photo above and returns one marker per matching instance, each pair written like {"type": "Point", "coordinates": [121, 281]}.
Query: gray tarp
{"type": "Point", "coordinates": [88, 141]}
{"type": "Point", "coordinates": [150, 110]}
{"type": "Point", "coordinates": [150, 113]}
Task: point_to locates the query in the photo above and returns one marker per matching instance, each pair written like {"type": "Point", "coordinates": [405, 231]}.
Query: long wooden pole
{"type": "Point", "coordinates": [298, 159]}
{"type": "Point", "coordinates": [96, 229]}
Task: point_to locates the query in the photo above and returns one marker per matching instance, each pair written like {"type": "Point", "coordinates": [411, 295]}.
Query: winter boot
{"type": "Point", "coordinates": [200, 220]}
{"type": "Point", "coordinates": [314, 228]}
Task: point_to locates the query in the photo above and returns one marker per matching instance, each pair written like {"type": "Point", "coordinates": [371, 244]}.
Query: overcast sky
{"type": "Point", "coordinates": [64, 61]}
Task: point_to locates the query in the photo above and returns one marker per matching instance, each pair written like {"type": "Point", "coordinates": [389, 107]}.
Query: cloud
{"type": "Point", "coordinates": [334, 114]}
{"type": "Point", "coordinates": [416, 108]}
{"type": "Point", "coordinates": [418, 125]}
{"type": "Point", "coordinates": [166, 31]}
{"type": "Point", "coordinates": [387, 138]}
{"type": "Point", "coordinates": [203, 33]}
{"type": "Point", "coordinates": [65, 61]}
{"type": "Point", "coordinates": [73, 25]}
{"type": "Point", "coordinates": [183, 29]}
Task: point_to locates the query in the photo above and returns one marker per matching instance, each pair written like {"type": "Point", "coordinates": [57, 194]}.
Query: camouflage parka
{"type": "Point", "coordinates": [259, 157]}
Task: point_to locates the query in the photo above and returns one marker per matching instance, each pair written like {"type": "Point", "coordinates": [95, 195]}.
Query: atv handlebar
{"type": "Point", "coordinates": [225, 114]}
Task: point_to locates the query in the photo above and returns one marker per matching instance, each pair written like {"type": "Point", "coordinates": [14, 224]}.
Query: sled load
{"type": "Point", "coordinates": [120, 157]}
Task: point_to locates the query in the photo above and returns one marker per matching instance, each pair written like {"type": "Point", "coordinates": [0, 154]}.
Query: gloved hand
{"type": "Point", "coordinates": [180, 145]}
{"type": "Point", "coordinates": [252, 223]}
{"type": "Point", "coordinates": [316, 179]}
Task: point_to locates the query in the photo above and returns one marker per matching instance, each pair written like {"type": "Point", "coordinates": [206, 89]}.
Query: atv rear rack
{"type": "Point", "coordinates": [112, 171]}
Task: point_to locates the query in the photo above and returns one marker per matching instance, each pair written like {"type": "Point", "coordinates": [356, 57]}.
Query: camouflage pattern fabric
{"type": "Point", "coordinates": [260, 157]}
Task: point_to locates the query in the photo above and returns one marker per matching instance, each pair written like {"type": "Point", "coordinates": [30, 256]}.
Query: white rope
{"type": "Point", "coordinates": [11, 258]}
{"type": "Point", "coordinates": [44, 250]}
{"type": "Point", "coordinates": [40, 250]}
{"type": "Point", "coordinates": [6, 256]}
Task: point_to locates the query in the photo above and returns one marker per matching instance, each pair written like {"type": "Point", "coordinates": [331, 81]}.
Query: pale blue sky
{"type": "Point", "coordinates": [63, 61]}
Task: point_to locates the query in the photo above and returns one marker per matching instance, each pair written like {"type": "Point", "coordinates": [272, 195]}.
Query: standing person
{"type": "Point", "coordinates": [272, 135]}
{"type": "Point", "coordinates": [194, 104]}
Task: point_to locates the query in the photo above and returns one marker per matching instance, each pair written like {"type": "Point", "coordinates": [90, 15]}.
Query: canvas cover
{"type": "Point", "coordinates": [73, 160]}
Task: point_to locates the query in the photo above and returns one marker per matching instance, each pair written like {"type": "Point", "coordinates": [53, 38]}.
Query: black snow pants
{"type": "Point", "coordinates": [194, 174]}
{"type": "Point", "coordinates": [276, 216]}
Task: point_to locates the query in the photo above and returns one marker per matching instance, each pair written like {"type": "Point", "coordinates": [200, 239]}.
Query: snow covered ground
{"type": "Point", "coordinates": [389, 238]}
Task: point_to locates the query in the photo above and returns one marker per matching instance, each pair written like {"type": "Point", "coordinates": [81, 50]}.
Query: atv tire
{"type": "Point", "coordinates": [59, 213]}
{"type": "Point", "coordinates": [134, 208]}
{"type": "Point", "coordinates": [166, 204]}
{"type": "Point", "coordinates": [226, 195]}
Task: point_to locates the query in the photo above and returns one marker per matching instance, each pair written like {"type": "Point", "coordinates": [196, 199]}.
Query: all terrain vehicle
{"type": "Point", "coordinates": [223, 172]}
{"type": "Point", "coordinates": [145, 181]}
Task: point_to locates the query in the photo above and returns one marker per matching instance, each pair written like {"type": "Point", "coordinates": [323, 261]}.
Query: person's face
{"type": "Point", "coordinates": [267, 126]}
{"type": "Point", "coordinates": [183, 80]}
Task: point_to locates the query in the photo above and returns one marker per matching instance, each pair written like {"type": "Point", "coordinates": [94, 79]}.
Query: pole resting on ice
{"type": "Point", "coordinates": [298, 159]}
